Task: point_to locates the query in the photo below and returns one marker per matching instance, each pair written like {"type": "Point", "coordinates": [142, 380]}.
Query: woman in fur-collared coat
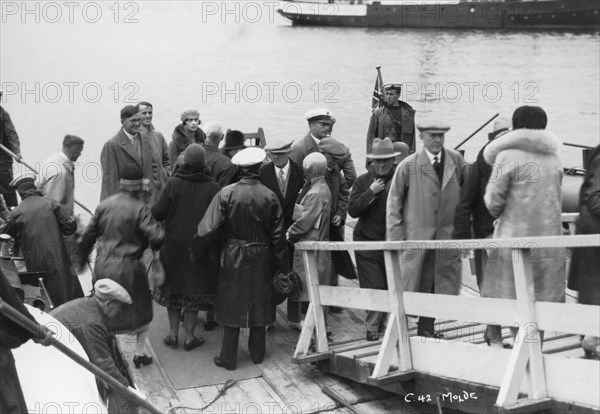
{"type": "Point", "coordinates": [524, 193]}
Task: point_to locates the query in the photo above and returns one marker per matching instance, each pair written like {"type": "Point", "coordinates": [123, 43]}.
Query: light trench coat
{"type": "Point", "coordinates": [419, 207]}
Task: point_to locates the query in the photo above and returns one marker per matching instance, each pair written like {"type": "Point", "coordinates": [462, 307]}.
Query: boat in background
{"type": "Point", "coordinates": [499, 15]}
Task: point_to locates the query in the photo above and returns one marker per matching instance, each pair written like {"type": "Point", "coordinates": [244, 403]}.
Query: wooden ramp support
{"type": "Point", "coordinates": [525, 379]}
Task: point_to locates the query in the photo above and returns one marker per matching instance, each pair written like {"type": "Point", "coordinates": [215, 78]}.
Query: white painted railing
{"type": "Point", "coordinates": [548, 376]}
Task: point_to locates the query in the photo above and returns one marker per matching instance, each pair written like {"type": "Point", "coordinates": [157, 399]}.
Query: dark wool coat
{"type": "Point", "coordinates": [381, 125]}
{"type": "Point", "coordinates": [12, 335]}
{"type": "Point", "coordinates": [524, 193]}
{"type": "Point", "coordinates": [221, 168]}
{"type": "Point", "coordinates": [37, 224]}
{"type": "Point", "coordinates": [123, 227]}
{"type": "Point", "coordinates": [370, 210]}
{"type": "Point", "coordinates": [181, 206]}
{"type": "Point", "coordinates": [10, 139]}
{"type": "Point", "coordinates": [180, 142]}
{"type": "Point", "coordinates": [117, 153]}
{"type": "Point", "coordinates": [583, 275]}
{"type": "Point", "coordinates": [250, 217]}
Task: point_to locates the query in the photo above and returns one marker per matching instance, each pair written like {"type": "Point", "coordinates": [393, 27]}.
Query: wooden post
{"type": "Point", "coordinates": [526, 357]}
{"type": "Point", "coordinates": [395, 291]}
{"type": "Point", "coordinates": [312, 276]}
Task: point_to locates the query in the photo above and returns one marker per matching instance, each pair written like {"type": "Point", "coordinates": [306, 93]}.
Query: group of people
{"type": "Point", "coordinates": [225, 221]}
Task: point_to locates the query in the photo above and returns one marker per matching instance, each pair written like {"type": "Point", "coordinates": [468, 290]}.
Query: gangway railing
{"type": "Point", "coordinates": [546, 376]}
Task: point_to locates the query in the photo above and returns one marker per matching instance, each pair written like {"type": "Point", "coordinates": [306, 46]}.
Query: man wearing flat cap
{"type": "Point", "coordinates": [251, 220]}
{"type": "Point", "coordinates": [10, 139]}
{"type": "Point", "coordinates": [88, 319]}
{"type": "Point", "coordinates": [127, 147]}
{"type": "Point", "coordinates": [395, 119]}
{"type": "Point", "coordinates": [37, 224]}
{"type": "Point", "coordinates": [320, 125]}
{"type": "Point", "coordinates": [424, 193]}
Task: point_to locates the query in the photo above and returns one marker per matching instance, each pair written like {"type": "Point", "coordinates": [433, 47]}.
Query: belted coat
{"type": "Point", "coordinates": [419, 207]}
{"type": "Point", "coordinates": [251, 220]}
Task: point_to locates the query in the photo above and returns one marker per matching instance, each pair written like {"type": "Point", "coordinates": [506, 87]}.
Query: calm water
{"type": "Point", "coordinates": [239, 63]}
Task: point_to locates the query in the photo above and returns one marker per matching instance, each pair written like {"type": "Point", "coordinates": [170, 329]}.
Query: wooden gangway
{"type": "Point", "coordinates": [459, 373]}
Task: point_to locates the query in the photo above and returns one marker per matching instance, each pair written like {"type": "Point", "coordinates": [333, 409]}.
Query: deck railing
{"type": "Point", "coordinates": [400, 354]}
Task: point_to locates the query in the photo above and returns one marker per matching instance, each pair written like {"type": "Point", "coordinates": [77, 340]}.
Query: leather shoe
{"type": "Point", "coordinates": [194, 343]}
{"type": "Point", "coordinates": [171, 340]}
{"type": "Point", "coordinates": [210, 326]}
{"type": "Point", "coordinates": [139, 360]}
{"type": "Point", "coordinates": [428, 334]}
{"type": "Point", "coordinates": [230, 366]}
{"type": "Point", "coordinates": [372, 336]}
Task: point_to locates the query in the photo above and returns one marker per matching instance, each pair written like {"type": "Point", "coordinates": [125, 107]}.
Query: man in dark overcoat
{"type": "Point", "coordinates": [127, 148]}
{"type": "Point", "coordinates": [221, 168]}
{"type": "Point", "coordinates": [12, 336]}
{"type": "Point", "coordinates": [37, 225]}
{"type": "Point", "coordinates": [10, 139]}
{"type": "Point", "coordinates": [250, 216]}
{"type": "Point", "coordinates": [368, 204]}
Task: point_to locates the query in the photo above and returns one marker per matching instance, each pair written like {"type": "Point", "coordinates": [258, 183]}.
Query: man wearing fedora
{"type": "Point", "coordinates": [127, 148]}
{"type": "Point", "coordinates": [424, 193]}
{"type": "Point", "coordinates": [368, 204]}
{"type": "Point", "coordinates": [10, 139]}
{"type": "Point", "coordinates": [88, 320]}
{"type": "Point", "coordinates": [320, 125]}
{"type": "Point", "coordinates": [37, 224]}
{"type": "Point", "coordinates": [395, 119]}
{"type": "Point", "coordinates": [234, 143]}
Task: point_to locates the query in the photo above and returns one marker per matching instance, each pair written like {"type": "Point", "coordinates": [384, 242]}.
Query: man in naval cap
{"type": "Point", "coordinates": [128, 147]}
{"type": "Point", "coordinates": [38, 224]}
{"type": "Point", "coordinates": [88, 319]}
{"type": "Point", "coordinates": [251, 219]}
{"type": "Point", "coordinates": [395, 119]}
{"type": "Point", "coordinates": [423, 196]}
{"type": "Point", "coordinates": [320, 125]}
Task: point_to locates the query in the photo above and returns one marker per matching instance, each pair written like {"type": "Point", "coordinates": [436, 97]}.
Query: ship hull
{"type": "Point", "coordinates": [510, 15]}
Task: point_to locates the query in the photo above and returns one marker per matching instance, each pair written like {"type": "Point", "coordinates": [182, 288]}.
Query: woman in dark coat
{"type": "Point", "coordinates": [583, 275]}
{"type": "Point", "coordinates": [189, 286]}
{"type": "Point", "coordinates": [124, 227]}
{"type": "Point", "coordinates": [186, 133]}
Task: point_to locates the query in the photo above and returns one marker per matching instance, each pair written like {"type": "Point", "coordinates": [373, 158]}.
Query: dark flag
{"type": "Point", "coordinates": [378, 98]}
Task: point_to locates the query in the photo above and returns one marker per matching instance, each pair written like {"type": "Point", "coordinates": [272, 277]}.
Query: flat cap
{"type": "Point", "coordinates": [21, 178]}
{"type": "Point", "coordinates": [320, 114]}
{"type": "Point", "coordinates": [433, 125]}
{"type": "Point", "coordinates": [110, 290]}
{"type": "Point", "coordinates": [249, 156]}
{"type": "Point", "coordinates": [129, 112]}
{"type": "Point", "coordinates": [279, 146]}
{"type": "Point", "coordinates": [333, 147]}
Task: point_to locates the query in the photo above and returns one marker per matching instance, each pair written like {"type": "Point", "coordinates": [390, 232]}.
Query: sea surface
{"type": "Point", "coordinates": [69, 67]}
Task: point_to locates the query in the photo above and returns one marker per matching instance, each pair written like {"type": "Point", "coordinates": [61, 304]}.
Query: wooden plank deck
{"type": "Point", "coordinates": [285, 386]}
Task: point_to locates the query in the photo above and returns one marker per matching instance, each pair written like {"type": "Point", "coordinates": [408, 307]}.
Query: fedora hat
{"type": "Point", "coordinates": [382, 149]}
{"type": "Point", "coordinates": [234, 140]}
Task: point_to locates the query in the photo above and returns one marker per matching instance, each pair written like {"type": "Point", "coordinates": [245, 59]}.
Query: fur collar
{"type": "Point", "coordinates": [530, 140]}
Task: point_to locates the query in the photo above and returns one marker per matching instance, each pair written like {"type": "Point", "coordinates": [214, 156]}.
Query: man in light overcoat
{"type": "Point", "coordinates": [421, 203]}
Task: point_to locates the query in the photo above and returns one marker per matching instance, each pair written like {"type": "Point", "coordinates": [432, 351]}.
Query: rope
{"type": "Point", "coordinates": [228, 384]}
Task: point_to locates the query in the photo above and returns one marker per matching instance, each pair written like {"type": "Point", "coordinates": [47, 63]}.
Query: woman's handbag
{"type": "Point", "coordinates": [156, 272]}
{"type": "Point", "coordinates": [286, 285]}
